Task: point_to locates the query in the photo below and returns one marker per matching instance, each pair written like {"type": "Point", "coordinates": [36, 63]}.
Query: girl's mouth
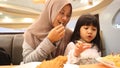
{"type": "Point", "coordinates": [90, 37]}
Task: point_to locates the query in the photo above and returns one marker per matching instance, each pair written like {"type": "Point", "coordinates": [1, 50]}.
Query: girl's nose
{"type": "Point", "coordinates": [89, 31]}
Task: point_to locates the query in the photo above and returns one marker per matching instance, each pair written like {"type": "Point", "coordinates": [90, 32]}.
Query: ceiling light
{"type": "Point", "coordinates": [39, 1]}
{"type": "Point", "coordinates": [90, 2]}
{"type": "Point", "coordinates": [27, 20]}
{"type": "Point", "coordinates": [7, 19]}
{"type": "Point", "coordinates": [3, 0]}
{"type": "Point", "coordinates": [1, 13]}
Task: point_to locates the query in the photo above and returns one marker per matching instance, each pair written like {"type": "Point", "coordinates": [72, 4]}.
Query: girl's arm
{"type": "Point", "coordinates": [69, 47]}
{"type": "Point", "coordinates": [71, 58]}
{"type": "Point", "coordinates": [88, 53]}
{"type": "Point", "coordinates": [69, 52]}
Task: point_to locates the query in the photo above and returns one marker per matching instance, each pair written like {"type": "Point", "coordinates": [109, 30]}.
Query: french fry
{"type": "Point", "coordinates": [113, 58]}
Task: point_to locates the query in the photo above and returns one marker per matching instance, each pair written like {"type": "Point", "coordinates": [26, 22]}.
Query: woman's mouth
{"type": "Point", "coordinates": [61, 23]}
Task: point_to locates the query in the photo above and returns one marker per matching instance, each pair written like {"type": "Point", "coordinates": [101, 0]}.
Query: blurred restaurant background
{"type": "Point", "coordinates": [17, 15]}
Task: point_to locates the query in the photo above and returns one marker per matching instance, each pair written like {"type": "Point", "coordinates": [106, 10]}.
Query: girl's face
{"type": "Point", "coordinates": [88, 33]}
{"type": "Point", "coordinates": [63, 16]}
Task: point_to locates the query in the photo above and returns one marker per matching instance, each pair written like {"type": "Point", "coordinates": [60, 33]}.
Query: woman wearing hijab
{"type": "Point", "coordinates": [47, 38]}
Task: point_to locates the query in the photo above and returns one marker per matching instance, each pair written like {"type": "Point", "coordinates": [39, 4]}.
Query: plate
{"type": "Point", "coordinates": [34, 64]}
{"type": "Point", "coordinates": [107, 63]}
{"type": "Point", "coordinates": [28, 65]}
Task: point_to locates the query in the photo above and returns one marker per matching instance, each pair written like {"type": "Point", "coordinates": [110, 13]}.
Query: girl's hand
{"type": "Point", "coordinates": [80, 47]}
{"type": "Point", "coordinates": [56, 33]}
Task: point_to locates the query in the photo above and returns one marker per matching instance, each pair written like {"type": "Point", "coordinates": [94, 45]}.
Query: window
{"type": "Point", "coordinates": [116, 20]}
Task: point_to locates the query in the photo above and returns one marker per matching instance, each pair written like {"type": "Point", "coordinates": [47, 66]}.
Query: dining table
{"type": "Point", "coordinates": [8, 66]}
{"type": "Point", "coordinates": [97, 65]}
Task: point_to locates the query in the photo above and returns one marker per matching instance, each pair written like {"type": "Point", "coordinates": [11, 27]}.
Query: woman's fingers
{"type": "Point", "coordinates": [60, 31]}
{"type": "Point", "coordinates": [56, 33]}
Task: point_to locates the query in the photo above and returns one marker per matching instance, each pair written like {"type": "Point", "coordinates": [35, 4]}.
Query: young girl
{"type": "Point", "coordinates": [85, 41]}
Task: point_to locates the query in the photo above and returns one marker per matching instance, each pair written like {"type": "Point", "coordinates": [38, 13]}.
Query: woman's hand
{"type": "Point", "coordinates": [56, 33]}
{"type": "Point", "coordinates": [80, 47]}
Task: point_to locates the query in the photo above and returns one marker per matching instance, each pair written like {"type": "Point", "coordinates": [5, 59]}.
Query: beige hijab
{"type": "Point", "coordinates": [40, 29]}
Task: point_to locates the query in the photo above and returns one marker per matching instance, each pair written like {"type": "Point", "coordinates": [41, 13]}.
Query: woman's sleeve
{"type": "Point", "coordinates": [40, 53]}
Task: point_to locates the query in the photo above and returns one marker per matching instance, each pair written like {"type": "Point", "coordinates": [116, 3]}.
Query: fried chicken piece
{"type": "Point", "coordinates": [58, 62]}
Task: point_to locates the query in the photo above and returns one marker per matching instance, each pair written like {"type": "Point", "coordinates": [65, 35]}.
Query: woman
{"type": "Point", "coordinates": [47, 38]}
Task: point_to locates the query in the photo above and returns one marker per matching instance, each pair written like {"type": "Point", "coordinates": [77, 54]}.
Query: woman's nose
{"type": "Point", "coordinates": [64, 18]}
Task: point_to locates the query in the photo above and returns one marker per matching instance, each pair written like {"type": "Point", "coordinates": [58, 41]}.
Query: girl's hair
{"type": "Point", "coordinates": [87, 20]}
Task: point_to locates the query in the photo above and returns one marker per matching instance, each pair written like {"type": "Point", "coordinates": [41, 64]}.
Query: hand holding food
{"type": "Point", "coordinates": [80, 47]}
{"type": "Point", "coordinates": [56, 33]}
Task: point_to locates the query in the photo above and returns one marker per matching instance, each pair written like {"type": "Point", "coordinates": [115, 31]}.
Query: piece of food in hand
{"type": "Point", "coordinates": [85, 45]}
{"type": "Point", "coordinates": [58, 62]}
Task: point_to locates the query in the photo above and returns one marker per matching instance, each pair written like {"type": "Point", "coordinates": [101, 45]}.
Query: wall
{"type": "Point", "coordinates": [111, 35]}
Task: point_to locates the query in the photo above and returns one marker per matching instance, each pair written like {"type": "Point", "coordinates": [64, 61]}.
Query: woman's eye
{"type": "Point", "coordinates": [62, 13]}
{"type": "Point", "coordinates": [68, 15]}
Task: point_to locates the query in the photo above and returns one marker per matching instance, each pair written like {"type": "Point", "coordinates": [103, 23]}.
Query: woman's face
{"type": "Point", "coordinates": [63, 16]}
{"type": "Point", "coordinates": [88, 33]}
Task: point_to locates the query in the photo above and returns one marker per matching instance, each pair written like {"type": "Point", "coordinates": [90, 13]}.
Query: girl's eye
{"type": "Point", "coordinates": [94, 29]}
{"type": "Point", "coordinates": [85, 27]}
